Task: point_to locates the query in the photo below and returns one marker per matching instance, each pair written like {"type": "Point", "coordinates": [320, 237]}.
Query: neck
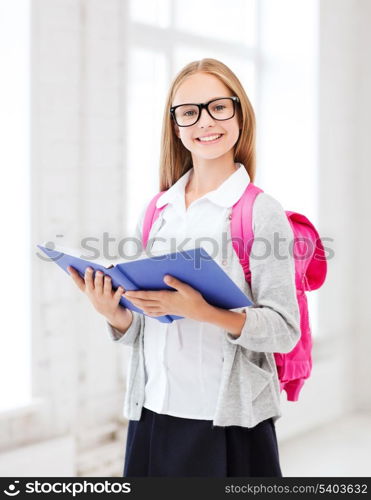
{"type": "Point", "coordinates": [208, 175]}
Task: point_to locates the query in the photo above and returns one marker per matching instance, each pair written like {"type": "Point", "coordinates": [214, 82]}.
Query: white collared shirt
{"type": "Point", "coordinates": [184, 359]}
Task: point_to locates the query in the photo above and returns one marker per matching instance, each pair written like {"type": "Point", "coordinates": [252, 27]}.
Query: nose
{"type": "Point", "coordinates": [205, 119]}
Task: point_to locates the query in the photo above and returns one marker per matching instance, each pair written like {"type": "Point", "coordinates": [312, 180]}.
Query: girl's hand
{"type": "Point", "coordinates": [104, 299]}
{"type": "Point", "coordinates": [185, 301]}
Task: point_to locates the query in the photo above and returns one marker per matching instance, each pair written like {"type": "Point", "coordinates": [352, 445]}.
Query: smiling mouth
{"type": "Point", "coordinates": [212, 138]}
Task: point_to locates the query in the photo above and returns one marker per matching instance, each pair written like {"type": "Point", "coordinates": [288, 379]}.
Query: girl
{"type": "Point", "coordinates": [203, 392]}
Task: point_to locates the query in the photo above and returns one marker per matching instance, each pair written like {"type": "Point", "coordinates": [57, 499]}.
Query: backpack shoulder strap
{"type": "Point", "coordinates": [151, 214]}
{"type": "Point", "coordinates": [242, 228]}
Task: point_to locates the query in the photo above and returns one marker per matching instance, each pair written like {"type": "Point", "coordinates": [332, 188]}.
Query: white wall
{"type": "Point", "coordinates": [345, 162]}
{"type": "Point", "coordinates": [359, 169]}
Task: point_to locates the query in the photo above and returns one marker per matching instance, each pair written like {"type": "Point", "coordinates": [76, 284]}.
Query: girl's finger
{"type": "Point", "coordinates": [143, 302]}
{"type": "Point", "coordinates": [117, 295]}
{"type": "Point", "coordinates": [98, 282]}
{"type": "Point", "coordinates": [154, 313]}
{"type": "Point", "coordinates": [76, 278]}
{"type": "Point", "coordinates": [107, 285]}
{"type": "Point", "coordinates": [89, 279]}
{"type": "Point", "coordinates": [151, 309]}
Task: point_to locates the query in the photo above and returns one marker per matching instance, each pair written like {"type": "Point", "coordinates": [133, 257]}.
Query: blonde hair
{"type": "Point", "coordinates": [175, 159]}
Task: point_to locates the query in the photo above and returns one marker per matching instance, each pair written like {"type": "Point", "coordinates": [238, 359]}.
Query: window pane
{"type": "Point", "coordinates": [147, 86]}
{"type": "Point", "coordinates": [232, 21]}
{"type": "Point", "coordinates": [153, 12]}
{"type": "Point", "coordinates": [288, 120]}
{"type": "Point", "coordinates": [289, 102]}
{"type": "Point", "coordinates": [243, 69]}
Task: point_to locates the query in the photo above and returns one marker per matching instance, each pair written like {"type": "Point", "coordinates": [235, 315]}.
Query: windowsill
{"type": "Point", "coordinates": [36, 405]}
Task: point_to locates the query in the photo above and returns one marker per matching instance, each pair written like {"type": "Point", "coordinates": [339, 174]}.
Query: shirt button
{"type": "Point", "coordinates": [224, 262]}
{"type": "Point", "coordinates": [230, 216]}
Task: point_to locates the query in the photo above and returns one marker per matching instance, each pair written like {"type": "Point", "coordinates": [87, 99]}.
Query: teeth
{"type": "Point", "coordinates": [210, 138]}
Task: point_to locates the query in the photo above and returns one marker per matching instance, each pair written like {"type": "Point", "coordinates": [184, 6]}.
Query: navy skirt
{"type": "Point", "coordinates": [164, 445]}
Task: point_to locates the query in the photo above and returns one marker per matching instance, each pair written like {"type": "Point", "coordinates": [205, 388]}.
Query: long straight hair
{"type": "Point", "coordinates": [175, 159]}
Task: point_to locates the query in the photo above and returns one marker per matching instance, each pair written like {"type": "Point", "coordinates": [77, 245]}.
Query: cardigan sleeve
{"type": "Point", "coordinates": [273, 323]}
{"type": "Point", "coordinates": [129, 337]}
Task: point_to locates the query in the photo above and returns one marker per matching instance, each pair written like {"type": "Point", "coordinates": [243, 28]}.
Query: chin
{"type": "Point", "coordinates": [213, 154]}
{"type": "Point", "coordinates": [210, 156]}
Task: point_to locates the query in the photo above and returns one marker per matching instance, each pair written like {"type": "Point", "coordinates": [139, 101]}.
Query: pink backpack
{"type": "Point", "coordinates": [310, 273]}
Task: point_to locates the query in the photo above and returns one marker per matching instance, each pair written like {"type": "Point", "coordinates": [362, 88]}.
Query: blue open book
{"type": "Point", "coordinates": [194, 267]}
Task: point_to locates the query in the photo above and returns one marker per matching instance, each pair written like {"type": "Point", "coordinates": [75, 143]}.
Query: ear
{"type": "Point", "coordinates": [176, 130]}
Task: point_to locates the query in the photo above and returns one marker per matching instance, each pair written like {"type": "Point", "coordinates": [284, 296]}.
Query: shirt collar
{"type": "Point", "coordinates": [226, 195]}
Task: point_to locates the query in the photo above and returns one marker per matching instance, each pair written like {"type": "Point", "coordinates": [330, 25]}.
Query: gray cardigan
{"type": "Point", "coordinates": [249, 391]}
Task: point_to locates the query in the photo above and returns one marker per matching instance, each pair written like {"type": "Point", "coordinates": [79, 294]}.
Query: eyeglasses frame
{"type": "Point", "coordinates": [205, 105]}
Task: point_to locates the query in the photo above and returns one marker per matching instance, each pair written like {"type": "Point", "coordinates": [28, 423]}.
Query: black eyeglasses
{"type": "Point", "coordinates": [223, 108]}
